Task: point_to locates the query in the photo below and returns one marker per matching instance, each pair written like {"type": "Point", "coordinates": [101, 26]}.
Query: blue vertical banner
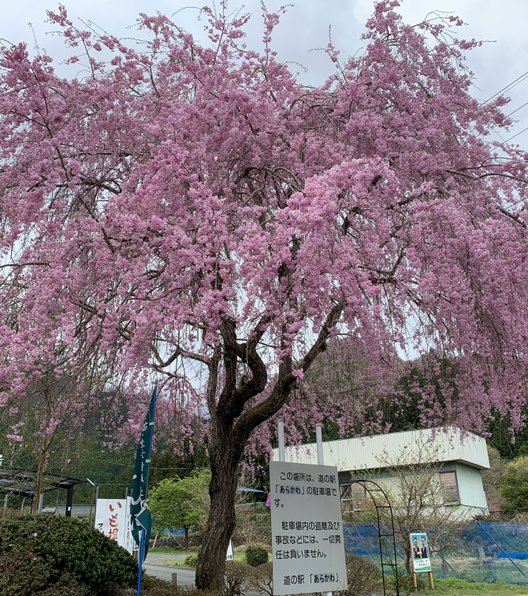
{"type": "Point", "coordinates": [141, 520]}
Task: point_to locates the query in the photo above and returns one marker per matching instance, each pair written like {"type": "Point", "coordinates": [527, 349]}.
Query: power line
{"type": "Point", "coordinates": [511, 85]}
{"type": "Point", "coordinates": [517, 109]}
{"type": "Point", "coordinates": [516, 134]}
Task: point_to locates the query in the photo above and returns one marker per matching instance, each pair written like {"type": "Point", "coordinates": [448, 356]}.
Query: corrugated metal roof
{"type": "Point", "coordinates": [426, 446]}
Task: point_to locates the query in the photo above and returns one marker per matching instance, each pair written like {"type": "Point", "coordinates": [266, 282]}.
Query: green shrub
{"type": "Point", "coordinates": [256, 555]}
{"type": "Point", "coordinates": [52, 555]}
{"type": "Point", "coordinates": [514, 486]}
{"type": "Point", "coordinates": [191, 561]}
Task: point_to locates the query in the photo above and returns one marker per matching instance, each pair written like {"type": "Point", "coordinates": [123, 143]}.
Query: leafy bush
{"type": "Point", "coordinates": [52, 555]}
{"type": "Point", "coordinates": [191, 561]}
{"type": "Point", "coordinates": [514, 486]}
{"type": "Point", "coordinates": [256, 555]}
{"type": "Point", "coordinates": [406, 586]}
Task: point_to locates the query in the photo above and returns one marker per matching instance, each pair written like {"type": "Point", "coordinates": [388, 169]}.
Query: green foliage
{"type": "Point", "coordinates": [43, 554]}
{"type": "Point", "coordinates": [491, 479]}
{"type": "Point", "coordinates": [191, 561]}
{"type": "Point", "coordinates": [256, 555]}
{"type": "Point", "coordinates": [461, 587]}
{"type": "Point", "coordinates": [181, 503]}
{"type": "Point", "coordinates": [168, 464]}
{"type": "Point", "coordinates": [514, 486]}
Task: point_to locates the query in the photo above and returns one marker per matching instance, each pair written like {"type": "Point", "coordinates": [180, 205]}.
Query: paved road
{"type": "Point", "coordinates": [185, 576]}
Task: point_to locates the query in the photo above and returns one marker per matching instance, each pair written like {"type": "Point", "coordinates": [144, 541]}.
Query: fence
{"type": "Point", "coordinates": [479, 551]}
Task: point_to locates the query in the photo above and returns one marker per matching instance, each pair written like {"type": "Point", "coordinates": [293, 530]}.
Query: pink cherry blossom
{"type": "Point", "coordinates": [196, 213]}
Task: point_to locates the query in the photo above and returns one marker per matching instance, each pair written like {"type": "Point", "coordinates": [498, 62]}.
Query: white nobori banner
{"type": "Point", "coordinates": [112, 518]}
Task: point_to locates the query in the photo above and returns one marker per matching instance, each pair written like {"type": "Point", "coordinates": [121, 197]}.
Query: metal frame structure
{"type": "Point", "coordinates": [385, 536]}
{"type": "Point", "coordinates": [22, 483]}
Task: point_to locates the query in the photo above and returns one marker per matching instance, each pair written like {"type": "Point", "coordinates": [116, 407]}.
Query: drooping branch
{"type": "Point", "coordinates": [177, 353]}
{"type": "Point", "coordinates": [320, 343]}
{"type": "Point", "coordinates": [513, 217]}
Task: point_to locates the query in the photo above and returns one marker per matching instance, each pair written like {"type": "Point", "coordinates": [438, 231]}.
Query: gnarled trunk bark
{"type": "Point", "coordinates": [225, 456]}
{"type": "Point", "coordinates": [232, 424]}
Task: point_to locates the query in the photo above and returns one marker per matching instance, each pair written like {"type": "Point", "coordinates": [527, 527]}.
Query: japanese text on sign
{"type": "Point", "coordinates": [307, 532]}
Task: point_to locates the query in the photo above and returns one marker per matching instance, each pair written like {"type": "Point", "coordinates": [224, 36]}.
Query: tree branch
{"type": "Point", "coordinates": [286, 380]}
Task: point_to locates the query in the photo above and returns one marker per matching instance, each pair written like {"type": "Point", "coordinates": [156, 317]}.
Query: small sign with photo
{"type": "Point", "coordinates": [420, 552]}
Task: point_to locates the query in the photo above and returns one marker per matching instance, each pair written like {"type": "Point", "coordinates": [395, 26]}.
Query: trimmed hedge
{"type": "Point", "coordinates": [52, 555]}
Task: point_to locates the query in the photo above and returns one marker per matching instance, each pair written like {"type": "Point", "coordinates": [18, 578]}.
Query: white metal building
{"type": "Point", "coordinates": [453, 457]}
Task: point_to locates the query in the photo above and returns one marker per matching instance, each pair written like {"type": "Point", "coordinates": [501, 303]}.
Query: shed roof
{"type": "Point", "coordinates": [432, 445]}
{"type": "Point", "coordinates": [22, 482]}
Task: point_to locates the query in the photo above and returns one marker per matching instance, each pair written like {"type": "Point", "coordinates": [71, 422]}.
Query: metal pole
{"type": "Point", "coordinates": [319, 441]}
{"type": "Point", "coordinates": [140, 561]}
{"type": "Point", "coordinates": [91, 502]}
{"type": "Point", "coordinates": [282, 448]}
{"type": "Point", "coordinates": [280, 435]}
{"type": "Point", "coordinates": [320, 458]}
{"type": "Point", "coordinates": [69, 500]}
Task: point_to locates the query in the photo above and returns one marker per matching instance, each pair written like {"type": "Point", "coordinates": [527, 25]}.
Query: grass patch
{"type": "Point", "coordinates": [462, 587]}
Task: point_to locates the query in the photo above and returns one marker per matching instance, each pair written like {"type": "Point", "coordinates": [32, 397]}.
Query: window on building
{"type": "Point", "coordinates": [449, 484]}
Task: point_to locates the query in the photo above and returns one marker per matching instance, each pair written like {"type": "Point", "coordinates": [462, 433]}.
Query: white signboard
{"type": "Point", "coordinates": [307, 529]}
{"type": "Point", "coordinates": [112, 518]}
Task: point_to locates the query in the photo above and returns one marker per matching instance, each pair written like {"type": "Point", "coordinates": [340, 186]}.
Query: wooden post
{"type": "Point", "coordinates": [174, 579]}
{"type": "Point", "coordinates": [431, 582]}
{"type": "Point", "coordinates": [415, 581]}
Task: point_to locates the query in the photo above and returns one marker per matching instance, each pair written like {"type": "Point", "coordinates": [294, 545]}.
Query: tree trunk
{"type": "Point", "coordinates": [41, 464]}
{"type": "Point", "coordinates": [408, 555]}
{"type": "Point", "coordinates": [225, 455]}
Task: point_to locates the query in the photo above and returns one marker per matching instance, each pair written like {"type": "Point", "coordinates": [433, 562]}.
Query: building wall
{"type": "Point", "coordinates": [437, 450]}
{"type": "Point", "coordinates": [417, 446]}
{"type": "Point", "coordinates": [470, 487]}
{"type": "Point", "coordinates": [471, 497]}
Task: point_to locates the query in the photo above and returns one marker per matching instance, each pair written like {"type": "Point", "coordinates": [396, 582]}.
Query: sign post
{"type": "Point", "coordinates": [307, 529]}
{"type": "Point", "coordinates": [421, 561]}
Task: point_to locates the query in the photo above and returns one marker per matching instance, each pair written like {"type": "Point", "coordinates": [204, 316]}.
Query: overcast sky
{"type": "Point", "coordinates": [305, 28]}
